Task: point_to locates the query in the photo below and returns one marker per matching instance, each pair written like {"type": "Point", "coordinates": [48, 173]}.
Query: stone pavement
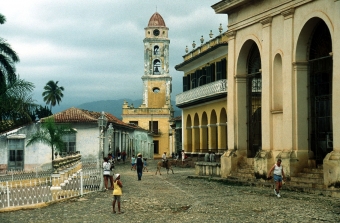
{"type": "Point", "coordinates": [176, 198]}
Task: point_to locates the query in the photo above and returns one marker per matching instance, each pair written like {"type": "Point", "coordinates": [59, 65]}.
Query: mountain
{"type": "Point", "coordinates": [115, 106]}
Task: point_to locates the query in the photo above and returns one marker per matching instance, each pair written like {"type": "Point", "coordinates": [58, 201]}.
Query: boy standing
{"type": "Point", "coordinates": [117, 193]}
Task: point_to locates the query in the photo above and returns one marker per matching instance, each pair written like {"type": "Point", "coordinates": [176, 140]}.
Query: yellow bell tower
{"type": "Point", "coordinates": [156, 109]}
{"type": "Point", "coordinates": [156, 78]}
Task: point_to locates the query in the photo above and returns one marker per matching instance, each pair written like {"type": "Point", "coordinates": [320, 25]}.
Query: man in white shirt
{"type": "Point", "coordinates": [164, 159]}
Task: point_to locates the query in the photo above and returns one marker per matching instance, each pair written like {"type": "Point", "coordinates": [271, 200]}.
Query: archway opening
{"type": "Point", "coordinates": [254, 89]}
{"type": "Point", "coordinates": [320, 74]}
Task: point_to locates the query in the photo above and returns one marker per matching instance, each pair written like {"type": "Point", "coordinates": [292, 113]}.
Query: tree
{"type": "Point", "coordinates": [16, 102]}
{"type": "Point", "coordinates": [8, 58]}
{"type": "Point", "coordinates": [51, 134]}
{"type": "Point", "coordinates": [42, 112]}
{"type": "Point", "coordinates": [53, 93]}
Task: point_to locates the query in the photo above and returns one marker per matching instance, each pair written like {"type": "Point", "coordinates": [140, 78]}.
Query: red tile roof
{"type": "Point", "coordinates": [76, 115]}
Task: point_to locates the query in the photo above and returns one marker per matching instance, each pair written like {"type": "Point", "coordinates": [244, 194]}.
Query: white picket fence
{"type": "Point", "coordinates": [28, 188]}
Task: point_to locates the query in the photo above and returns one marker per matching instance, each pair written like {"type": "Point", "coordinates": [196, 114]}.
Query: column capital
{"type": "Point", "coordinates": [287, 14]}
{"type": "Point", "coordinates": [267, 21]}
{"type": "Point", "coordinates": [231, 34]}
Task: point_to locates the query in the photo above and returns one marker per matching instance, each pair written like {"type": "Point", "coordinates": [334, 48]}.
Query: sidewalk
{"type": "Point", "coordinates": [177, 198]}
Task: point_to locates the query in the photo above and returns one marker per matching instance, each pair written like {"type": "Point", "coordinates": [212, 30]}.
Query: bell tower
{"type": "Point", "coordinates": [156, 78]}
{"type": "Point", "coordinates": [156, 110]}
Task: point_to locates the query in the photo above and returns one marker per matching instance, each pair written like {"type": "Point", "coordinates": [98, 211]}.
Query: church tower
{"type": "Point", "coordinates": [156, 110]}
{"type": "Point", "coordinates": [156, 78]}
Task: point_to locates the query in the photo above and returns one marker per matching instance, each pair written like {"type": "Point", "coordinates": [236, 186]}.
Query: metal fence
{"type": "Point", "coordinates": [35, 187]}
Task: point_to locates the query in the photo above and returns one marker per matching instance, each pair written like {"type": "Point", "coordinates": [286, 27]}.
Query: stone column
{"type": "Point", "coordinates": [231, 99]}
{"type": "Point", "coordinates": [331, 163]}
{"type": "Point", "coordinates": [263, 161]}
{"type": "Point", "coordinates": [287, 79]}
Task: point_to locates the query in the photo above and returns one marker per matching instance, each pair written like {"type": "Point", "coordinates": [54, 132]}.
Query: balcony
{"type": "Point", "coordinates": [155, 132]}
{"type": "Point", "coordinates": [207, 92]}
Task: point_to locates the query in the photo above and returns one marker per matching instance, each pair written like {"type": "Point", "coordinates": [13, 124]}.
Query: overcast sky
{"type": "Point", "coordinates": [94, 48]}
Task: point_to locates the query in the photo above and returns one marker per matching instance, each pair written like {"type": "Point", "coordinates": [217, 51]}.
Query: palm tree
{"type": "Point", "coordinates": [2, 19]}
{"type": "Point", "coordinates": [50, 134]}
{"type": "Point", "coordinates": [53, 93]}
{"type": "Point", "coordinates": [15, 99]}
{"type": "Point", "coordinates": [8, 58]}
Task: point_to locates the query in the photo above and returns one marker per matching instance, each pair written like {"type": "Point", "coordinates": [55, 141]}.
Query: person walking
{"type": "Point", "coordinates": [106, 173]}
{"type": "Point", "coordinates": [133, 162]}
{"type": "Point", "coordinates": [117, 193]}
{"type": "Point", "coordinates": [183, 157]}
{"type": "Point", "coordinates": [139, 165]}
{"type": "Point", "coordinates": [278, 176]}
{"type": "Point", "coordinates": [124, 156]}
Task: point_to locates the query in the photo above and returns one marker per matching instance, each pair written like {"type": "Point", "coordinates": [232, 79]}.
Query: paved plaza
{"type": "Point", "coordinates": [176, 198]}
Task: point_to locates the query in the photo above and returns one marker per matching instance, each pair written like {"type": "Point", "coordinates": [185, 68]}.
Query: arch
{"type": "Point", "coordinates": [320, 74]}
{"type": "Point", "coordinates": [241, 66]}
{"type": "Point", "coordinates": [277, 88]}
{"type": "Point", "coordinates": [156, 50]}
{"type": "Point", "coordinates": [156, 67]}
{"type": "Point", "coordinates": [204, 136]}
{"type": "Point", "coordinates": [213, 141]}
{"type": "Point", "coordinates": [222, 131]}
{"type": "Point", "coordinates": [196, 134]}
{"type": "Point", "coordinates": [306, 32]}
{"type": "Point", "coordinates": [254, 100]}
{"type": "Point", "coordinates": [188, 131]}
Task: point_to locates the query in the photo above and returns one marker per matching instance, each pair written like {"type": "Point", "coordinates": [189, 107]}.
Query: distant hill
{"type": "Point", "coordinates": [115, 106]}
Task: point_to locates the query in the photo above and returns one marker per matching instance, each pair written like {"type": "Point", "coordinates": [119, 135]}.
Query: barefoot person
{"type": "Point", "coordinates": [117, 193]}
{"type": "Point", "coordinates": [278, 176]}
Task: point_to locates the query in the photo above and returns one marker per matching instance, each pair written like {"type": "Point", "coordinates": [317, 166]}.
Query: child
{"type": "Point", "coordinates": [117, 193]}
{"type": "Point", "coordinates": [133, 162]}
{"type": "Point", "coordinates": [145, 168]}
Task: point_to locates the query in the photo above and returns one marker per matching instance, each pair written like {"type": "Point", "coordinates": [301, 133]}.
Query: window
{"type": "Point", "coordinates": [16, 154]}
{"type": "Point", "coordinates": [69, 142]}
{"type": "Point", "coordinates": [153, 126]}
{"type": "Point", "coordinates": [156, 50]}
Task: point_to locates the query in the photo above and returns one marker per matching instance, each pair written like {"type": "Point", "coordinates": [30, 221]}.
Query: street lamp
{"type": "Point", "coordinates": [102, 121]}
{"type": "Point", "coordinates": [110, 131]}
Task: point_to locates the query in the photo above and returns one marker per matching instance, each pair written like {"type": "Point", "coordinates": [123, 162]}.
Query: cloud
{"type": "Point", "coordinates": [95, 48]}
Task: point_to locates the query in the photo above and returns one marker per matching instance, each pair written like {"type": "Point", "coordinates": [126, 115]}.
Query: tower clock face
{"type": "Point", "coordinates": [156, 32]}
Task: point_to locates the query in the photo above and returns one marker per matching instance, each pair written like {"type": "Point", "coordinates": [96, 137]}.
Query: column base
{"type": "Point", "coordinates": [293, 162]}
{"type": "Point", "coordinates": [229, 162]}
{"type": "Point", "coordinates": [331, 169]}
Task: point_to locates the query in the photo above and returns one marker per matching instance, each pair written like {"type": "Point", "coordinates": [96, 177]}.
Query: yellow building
{"type": "Point", "coordinates": [156, 109]}
{"type": "Point", "coordinates": [204, 98]}
{"type": "Point", "coordinates": [282, 96]}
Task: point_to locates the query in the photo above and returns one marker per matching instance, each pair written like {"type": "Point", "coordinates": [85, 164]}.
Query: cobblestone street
{"type": "Point", "coordinates": [176, 198]}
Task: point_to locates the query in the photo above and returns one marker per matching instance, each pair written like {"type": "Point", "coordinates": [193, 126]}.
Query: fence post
{"type": "Point", "coordinates": [81, 183]}
{"type": "Point", "coordinates": [7, 190]}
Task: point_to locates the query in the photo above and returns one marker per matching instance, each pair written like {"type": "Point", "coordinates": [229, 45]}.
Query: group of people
{"type": "Point", "coordinates": [134, 163]}
{"type": "Point", "coordinates": [115, 182]}
{"type": "Point", "coordinates": [210, 157]}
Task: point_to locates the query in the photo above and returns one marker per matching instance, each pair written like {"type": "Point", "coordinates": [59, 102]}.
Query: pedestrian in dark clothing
{"type": "Point", "coordinates": [139, 165]}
